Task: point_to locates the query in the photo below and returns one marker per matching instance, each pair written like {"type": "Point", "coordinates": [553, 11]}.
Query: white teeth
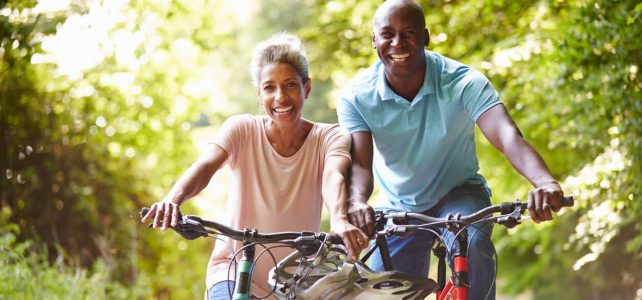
{"type": "Point", "coordinates": [282, 110]}
{"type": "Point", "coordinates": [401, 57]}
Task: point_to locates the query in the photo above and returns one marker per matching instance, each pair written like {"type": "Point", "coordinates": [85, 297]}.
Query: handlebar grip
{"type": "Point", "coordinates": [143, 212]}
{"type": "Point", "coordinates": [568, 201]}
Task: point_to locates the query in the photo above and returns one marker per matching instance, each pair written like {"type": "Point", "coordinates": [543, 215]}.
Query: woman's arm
{"type": "Point", "coordinates": [335, 197]}
{"type": "Point", "coordinates": [500, 129]}
{"type": "Point", "coordinates": [192, 182]}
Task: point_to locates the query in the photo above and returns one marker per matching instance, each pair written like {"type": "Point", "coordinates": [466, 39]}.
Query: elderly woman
{"type": "Point", "coordinates": [283, 166]}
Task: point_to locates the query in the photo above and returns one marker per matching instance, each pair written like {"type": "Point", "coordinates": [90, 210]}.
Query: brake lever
{"type": "Point", "coordinates": [190, 229]}
{"type": "Point", "coordinates": [512, 219]}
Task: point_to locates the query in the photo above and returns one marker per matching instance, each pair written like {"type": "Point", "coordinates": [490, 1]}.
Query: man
{"type": "Point", "coordinates": [411, 117]}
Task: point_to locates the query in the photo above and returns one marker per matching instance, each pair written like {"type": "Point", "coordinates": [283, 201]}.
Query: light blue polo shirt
{"type": "Point", "coordinates": [426, 147]}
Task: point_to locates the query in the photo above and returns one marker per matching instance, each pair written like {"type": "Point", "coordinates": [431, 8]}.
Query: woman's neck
{"type": "Point", "coordinates": [287, 140]}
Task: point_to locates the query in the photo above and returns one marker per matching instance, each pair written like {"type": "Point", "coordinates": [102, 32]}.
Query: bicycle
{"type": "Point", "coordinates": [456, 288]}
{"type": "Point", "coordinates": [321, 269]}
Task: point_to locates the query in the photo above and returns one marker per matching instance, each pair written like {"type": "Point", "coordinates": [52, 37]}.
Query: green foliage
{"type": "Point", "coordinates": [25, 273]}
{"type": "Point", "coordinates": [82, 135]}
{"type": "Point", "coordinates": [96, 101]}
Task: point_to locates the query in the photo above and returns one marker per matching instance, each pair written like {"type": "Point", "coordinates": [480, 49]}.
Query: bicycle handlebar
{"type": "Point", "coordinates": [506, 208]}
{"type": "Point", "coordinates": [192, 227]}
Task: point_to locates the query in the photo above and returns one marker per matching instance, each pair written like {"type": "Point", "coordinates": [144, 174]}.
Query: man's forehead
{"type": "Point", "coordinates": [407, 13]}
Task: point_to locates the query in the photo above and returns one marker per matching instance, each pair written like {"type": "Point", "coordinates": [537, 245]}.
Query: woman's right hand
{"type": "Point", "coordinates": [162, 212]}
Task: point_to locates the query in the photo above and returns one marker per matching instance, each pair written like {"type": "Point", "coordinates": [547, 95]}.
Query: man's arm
{"type": "Point", "coordinates": [335, 196]}
{"type": "Point", "coordinates": [192, 182]}
{"type": "Point", "coordinates": [500, 129]}
{"type": "Point", "coordinates": [361, 183]}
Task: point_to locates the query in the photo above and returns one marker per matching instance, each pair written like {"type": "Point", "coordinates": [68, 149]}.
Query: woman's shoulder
{"type": "Point", "coordinates": [330, 132]}
{"type": "Point", "coordinates": [244, 121]}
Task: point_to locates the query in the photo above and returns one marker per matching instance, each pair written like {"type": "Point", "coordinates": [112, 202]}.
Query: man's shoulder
{"type": "Point", "coordinates": [452, 73]}
{"type": "Point", "coordinates": [445, 66]}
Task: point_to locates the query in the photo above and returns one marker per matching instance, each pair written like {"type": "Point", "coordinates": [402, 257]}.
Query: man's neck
{"type": "Point", "coordinates": [407, 85]}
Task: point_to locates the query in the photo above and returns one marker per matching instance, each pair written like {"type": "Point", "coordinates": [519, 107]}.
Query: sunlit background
{"type": "Point", "coordinates": [103, 104]}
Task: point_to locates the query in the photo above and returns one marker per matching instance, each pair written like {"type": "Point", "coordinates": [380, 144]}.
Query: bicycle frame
{"type": "Point", "coordinates": [244, 276]}
{"type": "Point", "coordinates": [457, 287]}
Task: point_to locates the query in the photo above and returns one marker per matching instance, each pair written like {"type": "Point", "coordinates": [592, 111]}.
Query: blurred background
{"type": "Point", "coordinates": [104, 103]}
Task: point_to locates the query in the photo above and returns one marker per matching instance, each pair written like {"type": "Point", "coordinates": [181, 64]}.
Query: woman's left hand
{"type": "Point", "coordinates": [353, 238]}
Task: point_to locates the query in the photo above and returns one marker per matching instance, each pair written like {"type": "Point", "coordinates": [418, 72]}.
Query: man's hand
{"type": "Point", "coordinates": [361, 214]}
{"type": "Point", "coordinates": [353, 238]}
{"type": "Point", "coordinates": [543, 199]}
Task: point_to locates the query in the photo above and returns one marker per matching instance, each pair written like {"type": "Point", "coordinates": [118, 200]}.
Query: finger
{"type": "Point", "coordinates": [150, 212]}
{"type": "Point", "coordinates": [360, 241]}
{"type": "Point", "coordinates": [175, 216]}
{"type": "Point", "coordinates": [352, 218]}
{"type": "Point", "coordinates": [369, 222]}
{"type": "Point", "coordinates": [546, 211]}
{"type": "Point", "coordinates": [556, 202]}
{"type": "Point", "coordinates": [532, 209]}
{"type": "Point", "coordinates": [168, 214]}
{"type": "Point", "coordinates": [348, 243]}
{"type": "Point", "coordinates": [159, 215]}
{"type": "Point", "coordinates": [361, 220]}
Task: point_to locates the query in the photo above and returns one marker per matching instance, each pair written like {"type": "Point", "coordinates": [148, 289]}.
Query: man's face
{"type": "Point", "coordinates": [399, 37]}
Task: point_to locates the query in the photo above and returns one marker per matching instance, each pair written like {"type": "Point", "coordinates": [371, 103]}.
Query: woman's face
{"type": "Point", "coordinates": [282, 93]}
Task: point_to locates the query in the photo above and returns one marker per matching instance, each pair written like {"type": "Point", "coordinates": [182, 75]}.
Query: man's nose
{"type": "Point", "coordinates": [397, 41]}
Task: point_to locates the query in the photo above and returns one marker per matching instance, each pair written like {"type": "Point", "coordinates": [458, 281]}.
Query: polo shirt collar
{"type": "Point", "coordinates": [428, 87]}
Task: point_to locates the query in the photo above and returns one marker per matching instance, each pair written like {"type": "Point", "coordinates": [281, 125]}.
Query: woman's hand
{"type": "Point", "coordinates": [162, 212]}
{"type": "Point", "coordinates": [353, 238]}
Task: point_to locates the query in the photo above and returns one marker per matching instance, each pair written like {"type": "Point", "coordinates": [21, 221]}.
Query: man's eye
{"type": "Point", "coordinates": [268, 88]}
{"type": "Point", "coordinates": [292, 84]}
{"type": "Point", "coordinates": [410, 33]}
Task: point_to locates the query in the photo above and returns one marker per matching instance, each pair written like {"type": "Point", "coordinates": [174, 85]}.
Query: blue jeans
{"type": "Point", "coordinates": [411, 254]}
{"type": "Point", "coordinates": [221, 290]}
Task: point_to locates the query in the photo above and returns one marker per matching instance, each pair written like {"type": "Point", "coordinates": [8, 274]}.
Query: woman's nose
{"type": "Point", "coordinates": [280, 96]}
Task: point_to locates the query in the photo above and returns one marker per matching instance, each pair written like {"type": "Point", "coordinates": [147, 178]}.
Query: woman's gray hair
{"type": "Point", "coordinates": [280, 48]}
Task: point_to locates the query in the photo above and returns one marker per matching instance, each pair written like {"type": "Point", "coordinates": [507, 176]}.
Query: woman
{"type": "Point", "coordinates": [283, 167]}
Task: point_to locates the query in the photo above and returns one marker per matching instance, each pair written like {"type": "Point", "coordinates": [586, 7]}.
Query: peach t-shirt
{"type": "Point", "coordinates": [270, 192]}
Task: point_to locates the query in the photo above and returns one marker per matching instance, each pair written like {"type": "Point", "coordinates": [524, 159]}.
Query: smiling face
{"type": "Point", "coordinates": [400, 36]}
{"type": "Point", "coordinates": [282, 93]}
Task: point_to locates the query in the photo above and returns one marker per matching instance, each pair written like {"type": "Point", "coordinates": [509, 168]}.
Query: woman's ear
{"type": "Point", "coordinates": [308, 87]}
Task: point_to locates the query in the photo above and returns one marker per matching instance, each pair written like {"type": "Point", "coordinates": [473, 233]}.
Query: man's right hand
{"type": "Point", "coordinates": [361, 215]}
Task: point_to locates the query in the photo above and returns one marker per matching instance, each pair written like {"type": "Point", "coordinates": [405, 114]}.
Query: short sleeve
{"type": "Point", "coordinates": [349, 116]}
{"type": "Point", "coordinates": [477, 94]}
{"type": "Point", "coordinates": [337, 142]}
{"type": "Point", "coordinates": [232, 134]}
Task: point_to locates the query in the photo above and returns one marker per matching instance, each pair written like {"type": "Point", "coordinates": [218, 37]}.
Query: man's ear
{"type": "Point", "coordinates": [374, 43]}
{"type": "Point", "coordinates": [427, 36]}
